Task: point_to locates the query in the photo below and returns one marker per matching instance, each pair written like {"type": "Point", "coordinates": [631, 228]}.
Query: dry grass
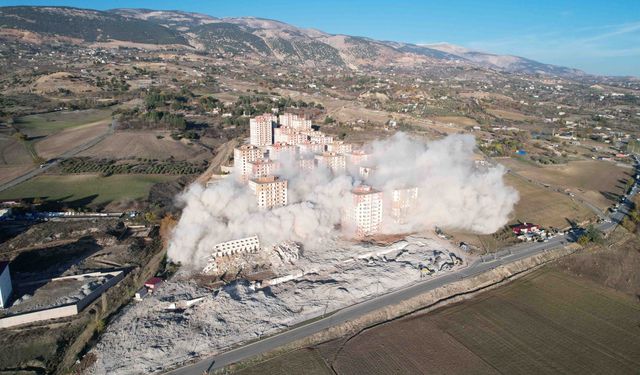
{"type": "Point", "coordinates": [594, 181]}
{"type": "Point", "coordinates": [541, 206]}
{"type": "Point", "coordinates": [509, 115]}
{"type": "Point", "coordinates": [457, 120]}
{"type": "Point", "coordinates": [130, 145]}
{"type": "Point", "coordinates": [59, 143]}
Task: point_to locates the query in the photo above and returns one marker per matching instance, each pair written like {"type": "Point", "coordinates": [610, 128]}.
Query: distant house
{"type": "Point", "coordinates": [525, 228]}
{"type": "Point", "coordinates": [5, 284]}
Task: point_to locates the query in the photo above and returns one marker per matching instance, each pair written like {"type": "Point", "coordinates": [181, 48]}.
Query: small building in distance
{"type": "Point", "coordinates": [364, 215]}
{"type": "Point", "coordinates": [6, 288]}
{"type": "Point", "coordinates": [270, 191]}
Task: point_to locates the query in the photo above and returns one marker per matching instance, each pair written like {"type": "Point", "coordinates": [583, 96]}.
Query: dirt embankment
{"type": "Point", "coordinates": [451, 293]}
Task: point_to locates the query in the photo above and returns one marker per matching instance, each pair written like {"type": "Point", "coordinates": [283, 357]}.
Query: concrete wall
{"type": "Point", "coordinates": [64, 310]}
{"type": "Point", "coordinates": [37, 316]}
{"type": "Point", "coordinates": [99, 290]}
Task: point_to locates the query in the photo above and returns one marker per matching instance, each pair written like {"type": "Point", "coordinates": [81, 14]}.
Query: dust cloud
{"type": "Point", "coordinates": [453, 193]}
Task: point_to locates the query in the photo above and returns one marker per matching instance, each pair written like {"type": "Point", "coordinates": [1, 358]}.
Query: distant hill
{"type": "Point", "coordinates": [255, 36]}
{"type": "Point", "coordinates": [504, 62]}
{"type": "Point", "coordinates": [88, 25]}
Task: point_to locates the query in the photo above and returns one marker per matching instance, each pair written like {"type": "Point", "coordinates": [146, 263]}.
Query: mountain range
{"type": "Point", "coordinates": [249, 36]}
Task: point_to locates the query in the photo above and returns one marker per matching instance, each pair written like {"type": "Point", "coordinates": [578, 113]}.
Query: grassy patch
{"type": "Point", "coordinates": [86, 189]}
{"type": "Point", "coordinates": [52, 122]}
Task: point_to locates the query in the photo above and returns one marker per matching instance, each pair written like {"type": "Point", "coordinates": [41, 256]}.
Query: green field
{"type": "Point", "coordinates": [547, 322]}
{"type": "Point", "coordinates": [52, 122]}
{"type": "Point", "coordinates": [86, 189]}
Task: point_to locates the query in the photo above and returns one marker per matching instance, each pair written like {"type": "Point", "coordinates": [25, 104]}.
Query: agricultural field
{"type": "Point", "coordinates": [48, 123]}
{"type": "Point", "coordinates": [542, 206]}
{"type": "Point", "coordinates": [546, 322]}
{"type": "Point", "coordinates": [85, 189]}
{"type": "Point", "coordinates": [578, 177]}
{"type": "Point", "coordinates": [575, 325]}
{"type": "Point", "coordinates": [146, 144]}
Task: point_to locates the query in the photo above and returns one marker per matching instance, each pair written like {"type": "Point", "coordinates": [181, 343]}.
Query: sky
{"type": "Point", "coordinates": [597, 36]}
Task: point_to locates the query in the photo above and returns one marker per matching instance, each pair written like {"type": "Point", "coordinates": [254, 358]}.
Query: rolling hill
{"type": "Point", "coordinates": [253, 36]}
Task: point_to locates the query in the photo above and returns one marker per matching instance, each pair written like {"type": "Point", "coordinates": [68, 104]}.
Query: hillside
{"type": "Point", "coordinates": [257, 37]}
{"type": "Point", "coordinates": [87, 25]}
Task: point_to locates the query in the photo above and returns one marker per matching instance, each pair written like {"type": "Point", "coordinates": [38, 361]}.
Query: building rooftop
{"type": "Point", "coordinates": [265, 179]}
{"type": "Point", "coordinates": [363, 190]}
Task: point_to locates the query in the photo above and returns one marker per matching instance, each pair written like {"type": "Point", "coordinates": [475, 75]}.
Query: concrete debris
{"type": "Point", "coordinates": [183, 320]}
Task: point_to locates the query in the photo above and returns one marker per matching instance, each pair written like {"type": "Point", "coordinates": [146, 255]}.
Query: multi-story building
{"type": "Point", "coordinates": [340, 147]}
{"type": "Point", "coordinates": [242, 157]}
{"type": "Point", "coordinates": [365, 172]}
{"type": "Point", "coordinates": [263, 167]}
{"type": "Point", "coordinates": [403, 201]}
{"type": "Point", "coordinates": [230, 248]}
{"type": "Point", "coordinates": [289, 136]}
{"type": "Point", "coordinates": [294, 121]}
{"type": "Point", "coordinates": [310, 148]}
{"type": "Point", "coordinates": [364, 215]}
{"type": "Point", "coordinates": [319, 137]}
{"type": "Point", "coordinates": [261, 129]}
{"type": "Point", "coordinates": [270, 191]}
{"type": "Point", "coordinates": [278, 151]}
{"type": "Point", "coordinates": [307, 163]}
{"type": "Point", "coordinates": [334, 161]}
{"type": "Point", "coordinates": [357, 158]}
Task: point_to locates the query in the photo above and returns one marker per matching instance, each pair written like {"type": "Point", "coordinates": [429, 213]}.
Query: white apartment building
{"type": "Point", "coordinates": [319, 137]}
{"type": "Point", "coordinates": [270, 191]}
{"type": "Point", "coordinates": [310, 148]}
{"type": "Point", "coordinates": [365, 214]}
{"type": "Point", "coordinates": [403, 201]}
{"type": "Point", "coordinates": [365, 172]}
{"type": "Point", "coordinates": [279, 151]}
{"type": "Point", "coordinates": [340, 147]}
{"type": "Point", "coordinates": [294, 121]}
{"type": "Point", "coordinates": [242, 157]}
{"type": "Point", "coordinates": [263, 167]}
{"type": "Point", "coordinates": [261, 129]}
{"type": "Point", "coordinates": [289, 136]}
{"type": "Point", "coordinates": [334, 161]}
{"type": "Point", "coordinates": [307, 163]}
{"type": "Point", "coordinates": [243, 245]}
{"type": "Point", "coordinates": [357, 157]}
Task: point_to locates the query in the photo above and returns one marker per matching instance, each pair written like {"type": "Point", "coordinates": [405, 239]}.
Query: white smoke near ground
{"type": "Point", "coordinates": [453, 193]}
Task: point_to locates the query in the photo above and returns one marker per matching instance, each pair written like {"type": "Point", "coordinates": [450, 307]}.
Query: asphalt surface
{"type": "Point", "coordinates": [506, 256]}
{"type": "Point", "coordinates": [70, 153]}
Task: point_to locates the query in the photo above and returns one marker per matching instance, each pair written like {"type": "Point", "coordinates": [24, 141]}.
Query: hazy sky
{"type": "Point", "coordinates": [597, 36]}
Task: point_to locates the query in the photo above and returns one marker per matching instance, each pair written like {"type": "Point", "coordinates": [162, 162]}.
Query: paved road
{"type": "Point", "coordinates": [70, 153]}
{"type": "Point", "coordinates": [506, 256]}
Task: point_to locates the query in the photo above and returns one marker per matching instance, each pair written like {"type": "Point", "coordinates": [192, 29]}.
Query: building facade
{"type": "Point", "coordinates": [243, 156]}
{"type": "Point", "coordinates": [261, 129]}
{"type": "Point", "coordinates": [270, 191]}
{"type": "Point", "coordinates": [403, 201]}
{"type": "Point", "coordinates": [365, 214]}
{"type": "Point", "coordinates": [334, 161]}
